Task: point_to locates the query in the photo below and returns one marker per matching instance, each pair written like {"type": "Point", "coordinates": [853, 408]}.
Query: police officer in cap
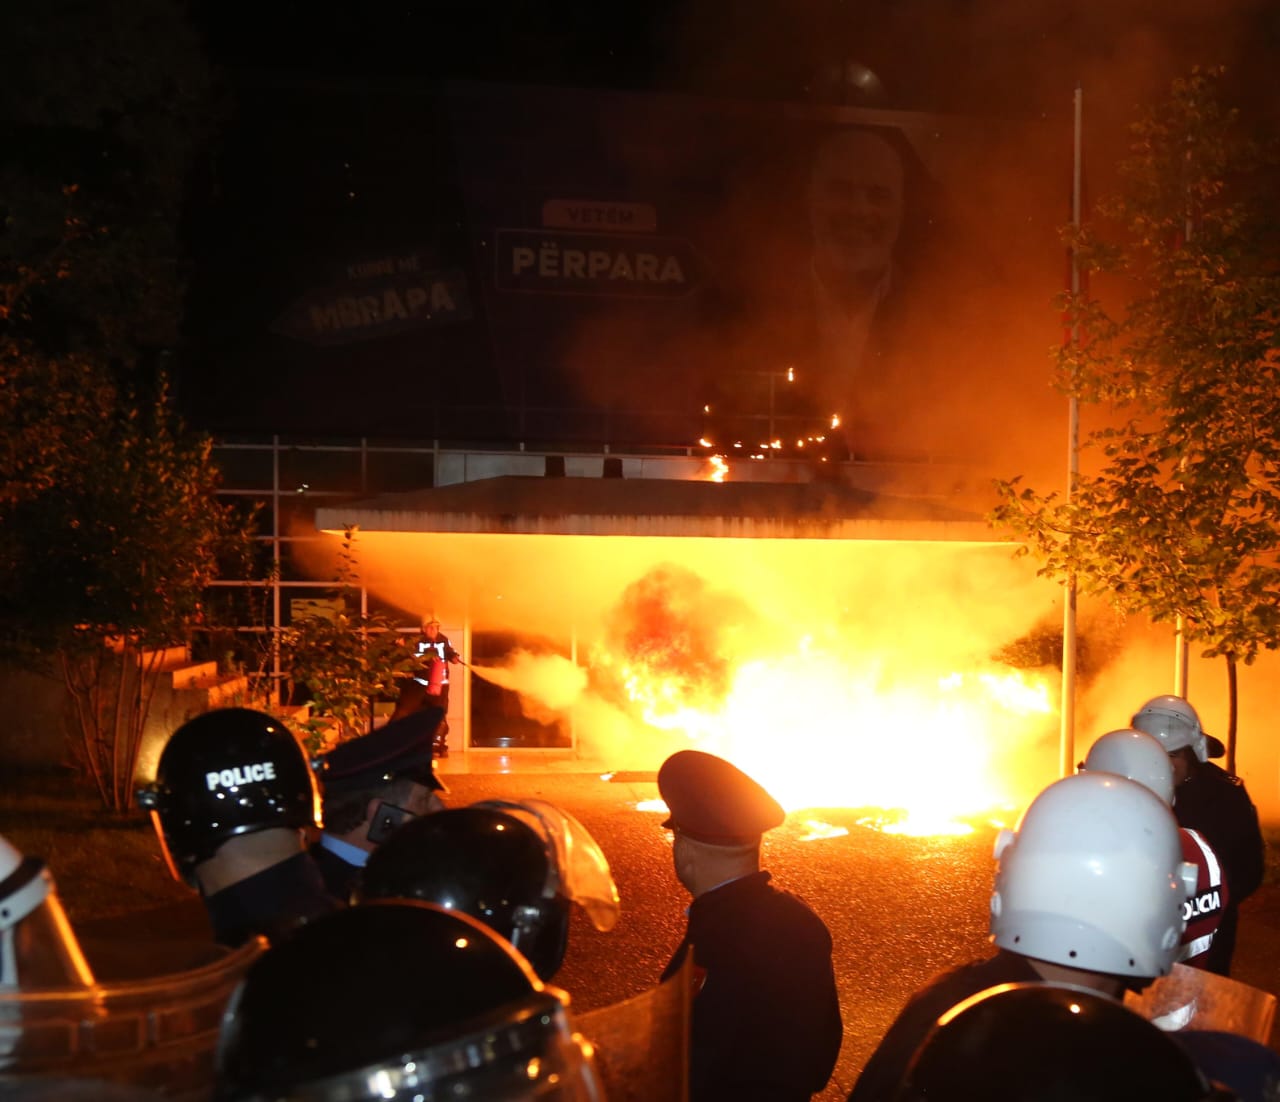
{"type": "Point", "coordinates": [373, 784]}
{"type": "Point", "coordinates": [232, 800]}
{"type": "Point", "coordinates": [766, 1014]}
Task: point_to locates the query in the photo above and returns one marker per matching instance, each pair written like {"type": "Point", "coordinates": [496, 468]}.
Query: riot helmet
{"type": "Point", "coordinates": [38, 948]}
{"type": "Point", "coordinates": [228, 772]}
{"type": "Point", "coordinates": [1027, 1042]}
{"type": "Point", "coordinates": [1132, 754]}
{"type": "Point", "coordinates": [1176, 724]}
{"type": "Point", "coordinates": [399, 999]}
{"type": "Point", "coordinates": [1093, 878]}
{"type": "Point", "coordinates": [515, 866]}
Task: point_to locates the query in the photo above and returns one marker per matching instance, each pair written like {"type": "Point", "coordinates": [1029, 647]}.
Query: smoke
{"type": "Point", "coordinates": [548, 684]}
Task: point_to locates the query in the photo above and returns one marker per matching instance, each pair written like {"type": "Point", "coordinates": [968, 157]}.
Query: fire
{"type": "Point", "coordinates": [843, 674]}
{"type": "Point", "coordinates": [717, 468]}
{"type": "Point", "coordinates": [822, 733]}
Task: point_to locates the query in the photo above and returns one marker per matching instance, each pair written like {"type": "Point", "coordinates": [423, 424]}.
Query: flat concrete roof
{"type": "Point", "coordinates": [567, 506]}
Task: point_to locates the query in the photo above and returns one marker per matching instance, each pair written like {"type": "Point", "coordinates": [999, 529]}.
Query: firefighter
{"type": "Point", "coordinates": [373, 784]}
{"type": "Point", "coordinates": [399, 999]}
{"type": "Point", "coordinates": [1141, 758]}
{"type": "Point", "coordinates": [1213, 803]}
{"type": "Point", "coordinates": [429, 687]}
{"type": "Point", "coordinates": [1089, 892]}
{"type": "Point", "coordinates": [232, 800]}
{"type": "Point", "coordinates": [1025, 1042]}
{"type": "Point", "coordinates": [515, 866]}
{"type": "Point", "coordinates": [766, 1014]}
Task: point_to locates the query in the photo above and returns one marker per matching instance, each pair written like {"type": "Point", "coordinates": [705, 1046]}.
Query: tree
{"type": "Point", "coordinates": [1179, 514]}
{"type": "Point", "coordinates": [344, 658]}
{"type": "Point", "coordinates": [109, 525]}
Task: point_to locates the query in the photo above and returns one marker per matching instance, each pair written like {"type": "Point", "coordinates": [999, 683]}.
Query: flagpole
{"type": "Point", "coordinates": [1067, 762]}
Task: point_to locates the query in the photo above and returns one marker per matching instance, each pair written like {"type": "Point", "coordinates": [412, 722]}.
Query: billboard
{"type": "Point", "coordinates": [747, 274]}
{"type": "Point", "coordinates": [567, 265]}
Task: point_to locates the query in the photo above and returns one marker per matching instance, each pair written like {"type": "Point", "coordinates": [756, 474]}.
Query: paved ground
{"type": "Point", "coordinates": [899, 908]}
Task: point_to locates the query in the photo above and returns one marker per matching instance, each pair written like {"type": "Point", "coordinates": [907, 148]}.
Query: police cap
{"type": "Point", "coordinates": [712, 801]}
{"type": "Point", "coordinates": [401, 748]}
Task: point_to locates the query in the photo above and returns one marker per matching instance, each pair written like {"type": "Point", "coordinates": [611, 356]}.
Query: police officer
{"type": "Point", "coordinates": [1027, 1042]}
{"type": "Point", "coordinates": [1089, 892]}
{"type": "Point", "coordinates": [1141, 758]}
{"type": "Point", "coordinates": [399, 999]}
{"type": "Point", "coordinates": [515, 866]}
{"type": "Point", "coordinates": [766, 1014]}
{"type": "Point", "coordinates": [233, 796]}
{"type": "Point", "coordinates": [1212, 802]}
{"type": "Point", "coordinates": [372, 785]}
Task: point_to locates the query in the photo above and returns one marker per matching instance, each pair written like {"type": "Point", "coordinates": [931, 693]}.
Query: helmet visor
{"type": "Point", "coordinates": [528, 1053]}
{"type": "Point", "coordinates": [581, 867]}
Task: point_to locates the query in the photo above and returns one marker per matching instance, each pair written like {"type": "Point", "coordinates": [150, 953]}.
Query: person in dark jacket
{"type": "Point", "coordinates": [1089, 893]}
{"type": "Point", "coordinates": [1213, 803]}
{"type": "Point", "coordinates": [766, 1015]}
{"type": "Point", "coordinates": [233, 798]}
{"type": "Point", "coordinates": [371, 785]}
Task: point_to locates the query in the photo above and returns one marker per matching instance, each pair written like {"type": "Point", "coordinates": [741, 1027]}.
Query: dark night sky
{"type": "Point", "coordinates": [976, 56]}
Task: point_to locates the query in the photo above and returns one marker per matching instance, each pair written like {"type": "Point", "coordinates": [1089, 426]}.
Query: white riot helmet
{"type": "Point", "coordinates": [1093, 879]}
{"type": "Point", "coordinates": [1133, 754]}
{"type": "Point", "coordinates": [1175, 723]}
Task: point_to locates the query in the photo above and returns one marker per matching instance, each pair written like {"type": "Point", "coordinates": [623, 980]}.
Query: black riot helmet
{"type": "Point", "coordinates": [227, 772]}
{"type": "Point", "coordinates": [515, 866]}
{"type": "Point", "coordinates": [398, 999]}
{"type": "Point", "coordinates": [1028, 1042]}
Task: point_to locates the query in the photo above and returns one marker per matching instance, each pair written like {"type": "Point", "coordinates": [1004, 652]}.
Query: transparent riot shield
{"type": "Point", "coordinates": [157, 1033]}
{"type": "Point", "coordinates": [1191, 998]}
{"type": "Point", "coordinates": [642, 1044]}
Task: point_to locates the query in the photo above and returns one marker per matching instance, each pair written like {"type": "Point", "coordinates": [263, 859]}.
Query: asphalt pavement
{"type": "Point", "coordinates": [899, 908]}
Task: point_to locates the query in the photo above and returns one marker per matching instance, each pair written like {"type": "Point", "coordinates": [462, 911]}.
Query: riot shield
{"type": "Point", "coordinates": [642, 1044]}
{"type": "Point", "coordinates": [1191, 998]}
{"type": "Point", "coordinates": [157, 1033]}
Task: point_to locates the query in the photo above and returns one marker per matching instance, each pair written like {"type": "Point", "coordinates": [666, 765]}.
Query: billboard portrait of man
{"type": "Point", "coordinates": [855, 207]}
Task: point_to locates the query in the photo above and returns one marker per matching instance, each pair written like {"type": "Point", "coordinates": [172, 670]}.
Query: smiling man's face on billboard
{"type": "Point", "coordinates": [855, 206]}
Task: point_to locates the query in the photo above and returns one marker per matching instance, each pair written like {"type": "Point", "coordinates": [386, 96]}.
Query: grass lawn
{"type": "Point", "coordinates": [104, 865]}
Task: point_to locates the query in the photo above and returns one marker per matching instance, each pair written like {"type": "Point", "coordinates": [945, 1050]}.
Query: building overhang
{"type": "Point", "coordinates": [567, 506]}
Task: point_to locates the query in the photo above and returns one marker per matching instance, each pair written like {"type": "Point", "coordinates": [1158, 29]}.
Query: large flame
{"type": "Point", "coordinates": [863, 675]}
{"type": "Point", "coordinates": [821, 733]}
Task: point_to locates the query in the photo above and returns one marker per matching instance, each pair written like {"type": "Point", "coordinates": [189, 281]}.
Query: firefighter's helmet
{"type": "Point", "coordinates": [1093, 879]}
{"type": "Point", "coordinates": [1025, 1042]}
{"type": "Point", "coordinates": [1133, 754]}
{"type": "Point", "coordinates": [399, 999]}
{"type": "Point", "coordinates": [228, 772]}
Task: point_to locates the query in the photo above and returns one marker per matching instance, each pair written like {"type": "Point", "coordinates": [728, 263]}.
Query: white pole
{"type": "Point", "coordinates": [1181, 651]}
{"type": "Point", "coordinates": [1068, 731]}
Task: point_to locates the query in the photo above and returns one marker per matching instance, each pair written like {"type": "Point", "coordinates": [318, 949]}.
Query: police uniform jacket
{"type": "Point", "coordinates": [766, 1015]}
{"type": "Point", "coordinates": [884, 1071]}
{"type": "Point", "coordinates": [1203, 911]}
{"type": "Point", "coordinates": [341, 878]}
{"type": "Point", "coordinates": [271, 902]}
{"type": "Point", "coordinates": [1217, 806]}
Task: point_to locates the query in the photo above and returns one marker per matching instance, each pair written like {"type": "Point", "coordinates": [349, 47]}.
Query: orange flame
{"type": "Point", "coordinates": [822, 735]}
